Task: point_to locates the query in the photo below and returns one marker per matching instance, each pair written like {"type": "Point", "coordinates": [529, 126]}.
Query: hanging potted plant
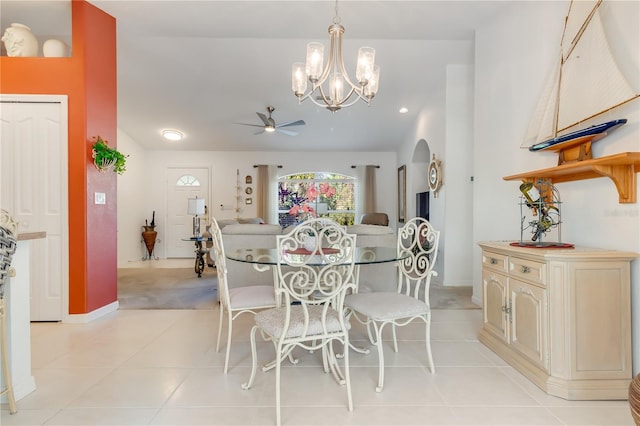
{"type": "Point", "coordinates": [106, 158]}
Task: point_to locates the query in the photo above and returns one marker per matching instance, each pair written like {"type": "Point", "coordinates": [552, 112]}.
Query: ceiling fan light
{"type": "Point", "coordinates": [172, 135]}
{"type": "Point", "coordinates": [269, 129]}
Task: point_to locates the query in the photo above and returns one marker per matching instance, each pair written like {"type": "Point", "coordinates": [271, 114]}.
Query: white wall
{"type": "Point", "coordinates": [133, 208]}
{"type": "Point", "coordinates": [446, 124]}
{"type": "Point", "coordinates": [136, 200]}
{"type": "Point", "coordinates": [513, 58]}
{"type": "Point", "coordinates": [457, 170]}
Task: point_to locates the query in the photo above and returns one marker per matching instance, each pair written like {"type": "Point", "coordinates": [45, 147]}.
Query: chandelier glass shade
{"type": "Point", "coordinates": [330, 86]}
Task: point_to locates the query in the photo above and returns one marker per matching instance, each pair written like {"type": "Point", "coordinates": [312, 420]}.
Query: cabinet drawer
{"type": "Point", "coordinates": [494, 261]}
{"type": "Point", "coordinates": [533, 272]}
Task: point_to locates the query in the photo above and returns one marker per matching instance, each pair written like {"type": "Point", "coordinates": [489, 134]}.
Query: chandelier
{"type": "Point", "coordinates": [333, 95]}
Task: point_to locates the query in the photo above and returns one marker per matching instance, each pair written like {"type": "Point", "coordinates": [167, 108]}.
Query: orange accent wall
{"type": "Point", "coordinates": [88, 78]}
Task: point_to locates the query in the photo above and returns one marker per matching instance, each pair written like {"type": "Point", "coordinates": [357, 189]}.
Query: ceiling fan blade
{"type": "Point", "coordinates": [247, 124]}
{"type": "Point", "coordinates": [260, 132]}
{"type": "Point", "coordinates": [264, 118]}
{"type": "Point", "coordinates": [287, 132]}
{"type": "Point", "coordinates": [292, 123]}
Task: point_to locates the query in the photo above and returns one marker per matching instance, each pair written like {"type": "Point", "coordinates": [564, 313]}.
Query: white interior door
{"type": "Point", "coordinates": [182, 184]}
{"type": "Point", "coordinates": [34, 191]}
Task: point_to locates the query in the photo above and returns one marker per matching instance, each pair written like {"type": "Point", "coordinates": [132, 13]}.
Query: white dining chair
{"type": "Point", "coordinates": [237, 300]}
{"type": "Point", "coordinates": [8, 242]}
{"type": "Point", "coordinates": [418, 247]}
{"type": "Point", "coordinates": [313, 281]}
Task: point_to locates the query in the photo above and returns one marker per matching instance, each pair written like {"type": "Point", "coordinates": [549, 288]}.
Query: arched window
{"type": "Point", "coordinates": [187, 180]}
{"type": "Point", "coordinates": [316, 194]}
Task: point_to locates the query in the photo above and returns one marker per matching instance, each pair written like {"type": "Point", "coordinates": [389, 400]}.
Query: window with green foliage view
{"type": "Point", "coordinates": [318, 194]}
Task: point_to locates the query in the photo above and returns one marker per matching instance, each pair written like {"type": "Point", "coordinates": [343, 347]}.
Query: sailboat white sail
{"type": "Point", "coordinates": [586, 83]}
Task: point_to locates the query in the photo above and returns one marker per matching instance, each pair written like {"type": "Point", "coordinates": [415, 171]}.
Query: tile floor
{"type": "Point", "coordinates": [160, 367]}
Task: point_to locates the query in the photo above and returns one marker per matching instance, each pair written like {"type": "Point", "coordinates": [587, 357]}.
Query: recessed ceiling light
{"type": "Point", "coordinates": [172, 135]}
{"type": "Point", "coordinates": [403, 110]}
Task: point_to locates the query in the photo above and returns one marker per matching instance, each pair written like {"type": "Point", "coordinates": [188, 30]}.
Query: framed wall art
{"type": "Point", "coordinates": [402, 193]}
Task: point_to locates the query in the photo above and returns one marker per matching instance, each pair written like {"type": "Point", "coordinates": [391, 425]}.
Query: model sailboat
{"type": "Point", "coordinates": [587, 83]}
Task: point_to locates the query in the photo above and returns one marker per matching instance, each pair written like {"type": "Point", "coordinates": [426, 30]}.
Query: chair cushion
{"type": "Point", "coordinates": [272, 321]}
{"type": "Point", "coordinates": [386, 306]}
{"type": "Point", "coordinates": [255, 296]}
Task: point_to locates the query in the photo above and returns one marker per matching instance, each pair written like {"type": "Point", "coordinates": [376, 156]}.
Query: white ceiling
{"type": "Point", "coordinates": [201, 66]}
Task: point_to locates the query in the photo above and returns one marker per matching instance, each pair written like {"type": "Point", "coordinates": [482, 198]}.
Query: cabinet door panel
{"type": "Point", "coordinates": [528, 321]}
{"type": "Point", "coordinates": [494, 292]}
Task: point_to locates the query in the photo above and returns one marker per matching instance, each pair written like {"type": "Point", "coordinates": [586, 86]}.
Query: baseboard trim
{"type": "Point", "coordinates": [91, 316]}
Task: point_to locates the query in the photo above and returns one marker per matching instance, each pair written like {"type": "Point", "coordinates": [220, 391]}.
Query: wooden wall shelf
{"type": "Point", "coordinates": [620, 168]}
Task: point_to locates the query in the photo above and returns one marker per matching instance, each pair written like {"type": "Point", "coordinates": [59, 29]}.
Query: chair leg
{"type": "Point", "coordinates": [432, 367]}
{"type": "Point", "coordinates": [347, 374]}
{"type": "Point", "coordinates": [229, 332]}
{"type": "Point", "coordinates": [395, 338]}
{"type": "Point", "coordinates": [5, 361]}
{"type": "Point", "coordinates": [221, 319]}
{"type": "Point", "coordinates": [278, 368]}
{"type": "Point", "coordinates": [380, 356]}
{"type": "Point", "coordinates": [254, 360]}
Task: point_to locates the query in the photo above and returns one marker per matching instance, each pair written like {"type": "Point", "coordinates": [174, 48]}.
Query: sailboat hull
{"type": "Point", "coordinates": [590, 134]}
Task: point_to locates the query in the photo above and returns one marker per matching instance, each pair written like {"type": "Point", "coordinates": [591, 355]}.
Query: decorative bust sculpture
{"type": "Point", "coordinates": [19, 41]}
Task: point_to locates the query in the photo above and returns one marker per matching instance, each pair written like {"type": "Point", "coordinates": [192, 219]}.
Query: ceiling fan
{"type": "Point", "coordinates": [271, 126]}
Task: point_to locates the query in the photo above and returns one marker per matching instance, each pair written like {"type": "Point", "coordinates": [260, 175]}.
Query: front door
{"type": "Point", "coordinates": [182, 184]}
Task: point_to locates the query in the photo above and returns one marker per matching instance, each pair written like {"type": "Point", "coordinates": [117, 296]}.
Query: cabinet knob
{"type": "Point", "coordinates": [493, 261]}
{"type": "Point", "coordinates": [525, 269]}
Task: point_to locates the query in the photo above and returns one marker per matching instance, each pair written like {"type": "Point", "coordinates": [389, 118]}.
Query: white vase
{"type": "Point", "coordinates": [54, 48]}
{"type": "Point", "coordinates": [20, 41]}
{"type": "Point", "coordinates": [310, 243]}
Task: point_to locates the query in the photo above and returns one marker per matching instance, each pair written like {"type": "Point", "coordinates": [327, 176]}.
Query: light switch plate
{"type": "Point", "coordinates": [101, 198]}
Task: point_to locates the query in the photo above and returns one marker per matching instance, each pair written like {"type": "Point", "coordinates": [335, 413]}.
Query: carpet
{"type": "Point", "coordinates": [166, 288]}
{"type": "Point", "coordinates": [180, 288]}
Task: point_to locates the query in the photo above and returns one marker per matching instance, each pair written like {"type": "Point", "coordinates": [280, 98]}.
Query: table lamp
{"type": "Point", "coordinates": [196, 207]}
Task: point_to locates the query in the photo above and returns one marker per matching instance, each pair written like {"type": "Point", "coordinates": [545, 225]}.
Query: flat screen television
{"type": "Point", "coordinates": [422, 205]}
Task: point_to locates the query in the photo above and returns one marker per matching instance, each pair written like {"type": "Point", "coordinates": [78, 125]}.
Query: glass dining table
{"type": "Point", "coordinates": [266, 257]}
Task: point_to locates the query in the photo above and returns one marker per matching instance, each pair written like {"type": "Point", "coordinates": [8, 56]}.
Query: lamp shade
{"type": "Point", "coordinates": [196, 206]}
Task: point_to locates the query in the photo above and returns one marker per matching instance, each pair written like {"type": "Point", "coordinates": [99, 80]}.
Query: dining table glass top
{"type": "Point", "coordinates": [269, 256]}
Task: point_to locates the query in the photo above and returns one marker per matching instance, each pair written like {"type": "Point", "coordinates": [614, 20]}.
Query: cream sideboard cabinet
{"type": "Point", "coordinates": [561, 317]}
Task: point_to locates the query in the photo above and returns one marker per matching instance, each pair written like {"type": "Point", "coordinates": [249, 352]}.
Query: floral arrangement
{"type": "Point", "coordinates": [302, 204]}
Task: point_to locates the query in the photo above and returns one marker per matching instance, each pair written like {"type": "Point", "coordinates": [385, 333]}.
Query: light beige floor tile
{"type": "Point", "coordinates": [602, 416]}
{"type": "Point", "coordinates": [463, 330]}
{"type": "Point", "coordinates": [367, 416]}
{"type": "Point", "coordinates": [205, 416]}
{"type": "Point", "coordinates": [26, 417]}
{"type": "Point", "coordinates": [506, 416]}
{"type": "Point", "coordinates": [460, 353]}
{"type": "Point", "coordinates": [209, 387]}
{"type": "Point", "coordinates": [57, 387]}
{"type": "Point", "coordinates": [402, 386]}
{"type": "Point", "coordinates": [480, 386]}
{"type": "Point", "coordinates": [457, 315]}
{"type": "Point", "coordinates": [145, 388]}
{"type": "Point", "coordinates": [115, 416]}
{"type": "Point", "coordinates": [160, 367]}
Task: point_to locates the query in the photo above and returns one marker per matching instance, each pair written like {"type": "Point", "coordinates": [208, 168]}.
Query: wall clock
{"type": "Point", "coordinates": [435, 175]}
